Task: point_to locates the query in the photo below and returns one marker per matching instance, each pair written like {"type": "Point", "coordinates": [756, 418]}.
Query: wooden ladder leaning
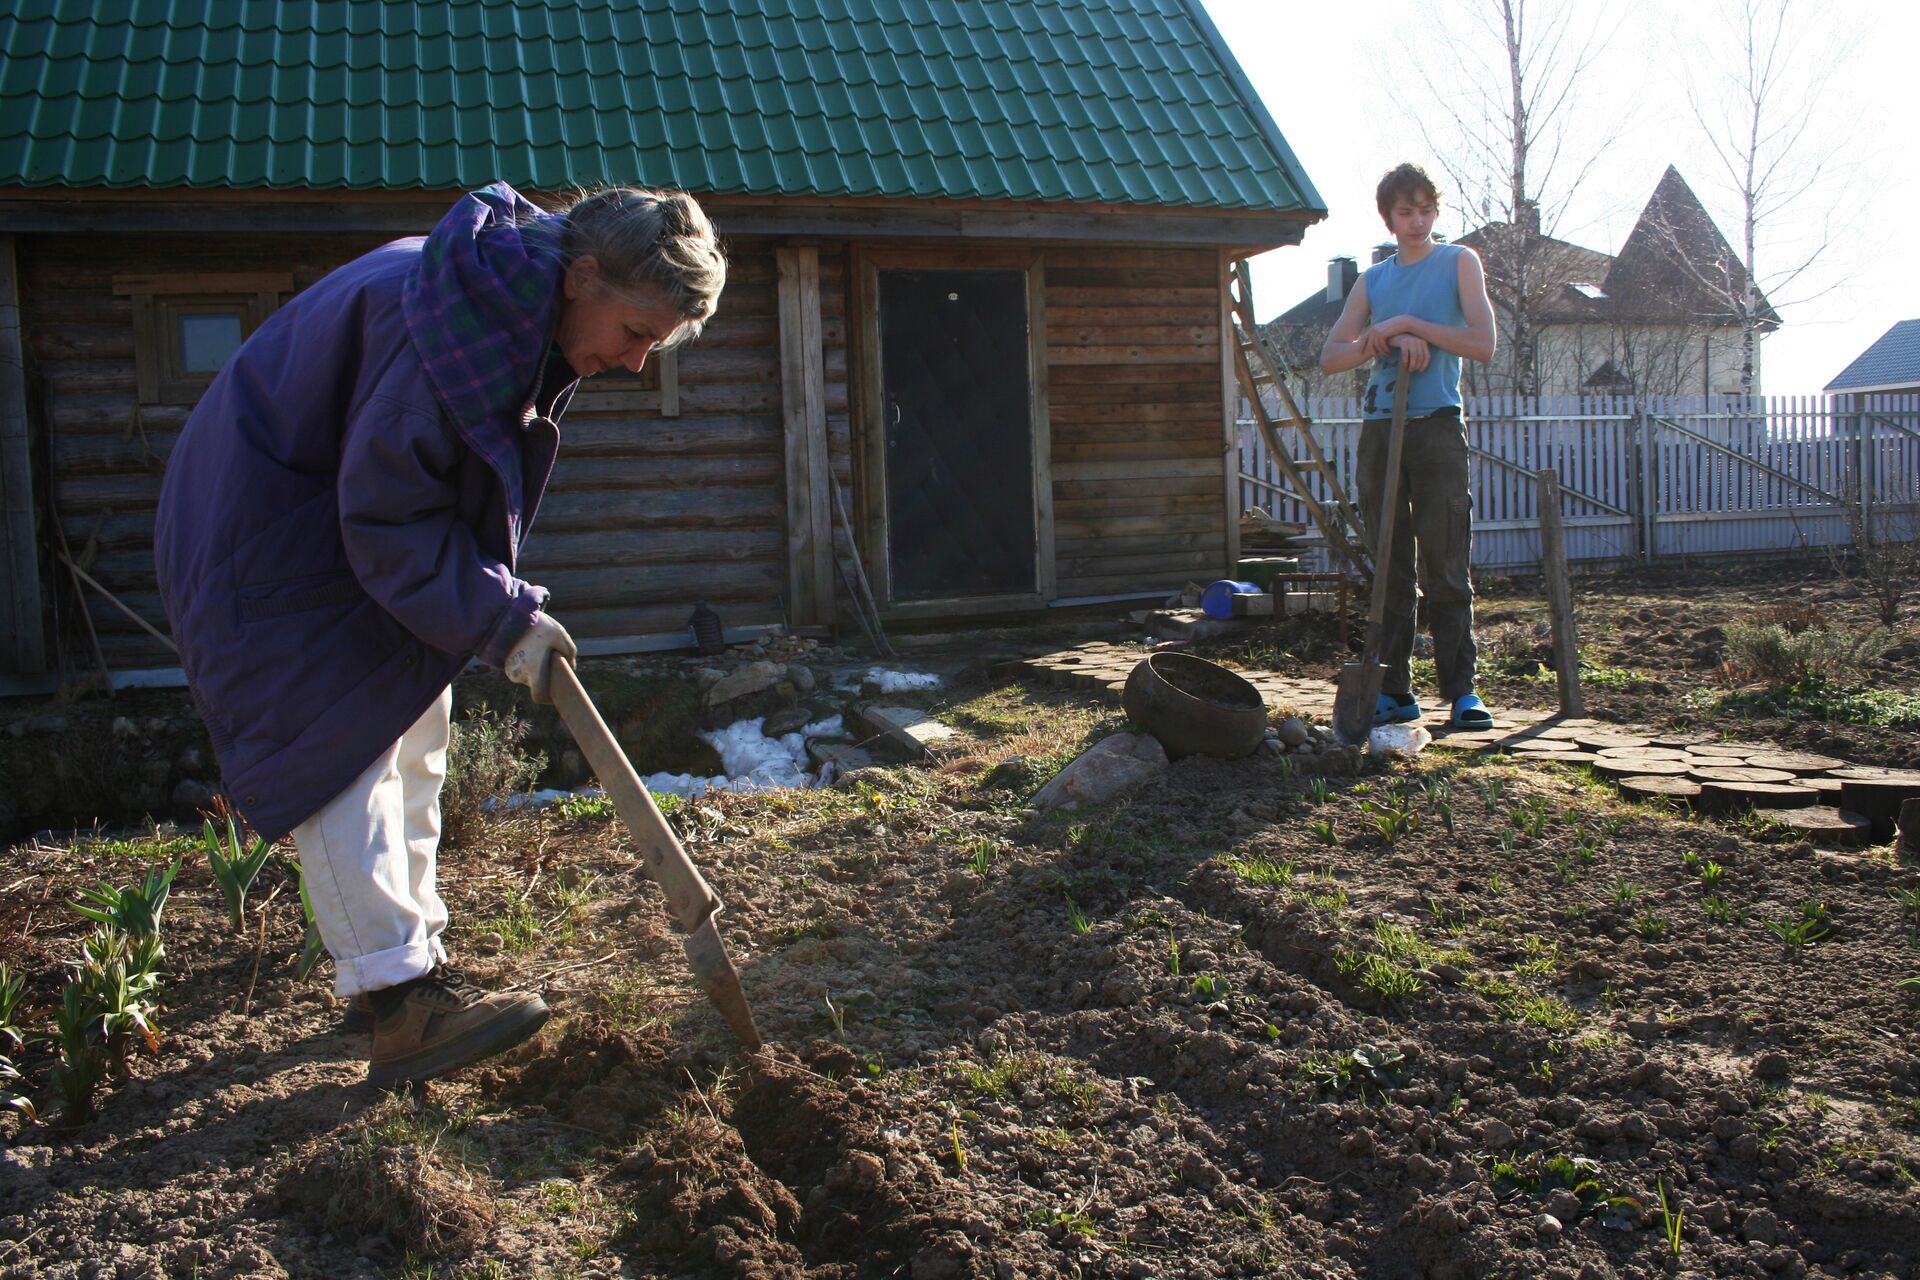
{"type": "Point", "coordinates": [1257, 366]}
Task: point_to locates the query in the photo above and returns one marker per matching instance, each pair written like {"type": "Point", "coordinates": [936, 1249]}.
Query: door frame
{"type": "Point", "coordinates": [869, 429]}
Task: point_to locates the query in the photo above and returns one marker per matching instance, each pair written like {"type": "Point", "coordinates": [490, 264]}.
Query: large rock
{"type": "Point", "coordinates": [1111, 767]}
{"type": "Point", "coordinates": [743, 682]}
{"type": "Point", "coordinates": [905, 733]}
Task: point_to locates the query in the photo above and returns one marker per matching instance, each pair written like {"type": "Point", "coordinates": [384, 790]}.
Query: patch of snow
{"type": "Point", "coordinates": [896, 681]}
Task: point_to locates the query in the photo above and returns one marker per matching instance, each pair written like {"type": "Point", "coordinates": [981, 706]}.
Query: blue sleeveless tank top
{"type": "Point", "coordinates": [1430, 290]}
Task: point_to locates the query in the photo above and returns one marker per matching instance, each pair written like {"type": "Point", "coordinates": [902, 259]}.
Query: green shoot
{"type": "Point", "coordinates": [134, 911]}
{"type": "Point", "coordinates": [1076, 918]}
{"type": "Point", "coordinates": [1325, 830]}
{"type": "Point", "coordinates": [234, 868]}
{"type": "Point", "coordinates": [1173, 954]}
{"type": "Point", "coordinates": [1673, 1219]}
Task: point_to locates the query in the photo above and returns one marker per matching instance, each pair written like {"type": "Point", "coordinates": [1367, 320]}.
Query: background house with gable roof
{"type": "Point", "coordinates": [1890, 366]}
{"type": "Point", "coordinates": [978, 295]}
{"type": "Point", "coordinates": [1661, 318]}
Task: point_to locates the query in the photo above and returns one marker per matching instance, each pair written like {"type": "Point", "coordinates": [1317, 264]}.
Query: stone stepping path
{"type": "Point", "coordinates": [1832, 802]}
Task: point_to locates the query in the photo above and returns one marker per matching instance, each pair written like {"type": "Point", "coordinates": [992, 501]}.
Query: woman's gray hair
{"type": "Point", "coordinates": [659, 238]}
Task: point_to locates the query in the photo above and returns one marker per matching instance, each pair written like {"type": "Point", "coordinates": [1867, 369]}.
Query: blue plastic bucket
{"type": "Point", "coordinates": [1217, 600]}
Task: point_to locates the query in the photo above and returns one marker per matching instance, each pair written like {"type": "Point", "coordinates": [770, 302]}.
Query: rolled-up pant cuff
{"type": "Point", "coordinates": [387, 968]}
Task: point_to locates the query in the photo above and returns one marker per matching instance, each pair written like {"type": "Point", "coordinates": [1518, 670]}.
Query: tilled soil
{"type": "Point", "coordinates": [1221, 1027]}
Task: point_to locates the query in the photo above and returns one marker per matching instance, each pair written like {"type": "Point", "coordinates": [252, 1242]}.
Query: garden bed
{"type": "Point", "coordinates": [1466, 1016]}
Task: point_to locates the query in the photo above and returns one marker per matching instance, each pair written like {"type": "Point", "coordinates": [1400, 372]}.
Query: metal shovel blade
{"type": "Point", "coordinates": [1355, 696]}
{"type": "Point", "coordinates": [690, 899]}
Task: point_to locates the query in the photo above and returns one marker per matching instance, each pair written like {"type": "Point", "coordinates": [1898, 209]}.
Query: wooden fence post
{"type": "Point", "coordinates": [1649, 488]}
{"type": "Point", "coordinates": [22, 641]}
{"type": "Point", "coordinates": [1553, 567]}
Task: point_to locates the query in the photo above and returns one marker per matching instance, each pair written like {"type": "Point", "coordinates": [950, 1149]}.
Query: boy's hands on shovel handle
{"type": "Point", "coordinates": [528, 663]}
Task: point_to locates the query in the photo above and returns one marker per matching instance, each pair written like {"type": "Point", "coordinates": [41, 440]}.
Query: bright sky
{"type": "Point", "coordinates": [1319, 67]}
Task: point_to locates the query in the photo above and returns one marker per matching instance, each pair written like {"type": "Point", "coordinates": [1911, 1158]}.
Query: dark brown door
{"type": "Point", "coordinates": [957, 412]}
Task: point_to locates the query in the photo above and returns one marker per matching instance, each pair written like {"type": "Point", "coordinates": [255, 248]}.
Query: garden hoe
{"type": "Point", "coordinates": [1358, 691]}
{"type": "Point", "coordinates": [689, 898]}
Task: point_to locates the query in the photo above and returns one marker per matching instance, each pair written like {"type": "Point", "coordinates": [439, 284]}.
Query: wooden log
{"type": "Point", "coordinates": [1634, 766]}
{"type": "Point", "coordinates": [1877, 798]}
{"type": "Point", "coordinates": [1651, 753]}
{"type": "Point", "coordinates": [1569, 758]}
{"type": "Point", "coordinates": [1827, 827]}
{"type": "Point", "coordinates": [1795, 761]}
{"type": "Point", "coordinates": [1553, 562]}
{"type": "Point", "coordinates": [1726, 797]}
{"type": "Point", "coordinates": [1738, 773]}
{"type": "Point", "coordinates": [1600, 740]}
{"type": "Point", "coordinates": [1660, 786]}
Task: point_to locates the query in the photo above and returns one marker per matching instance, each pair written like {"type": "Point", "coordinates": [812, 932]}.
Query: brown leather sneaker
{"type": "Point", "coordinates": [442, 1022]}
{"type": "Point", "coordinates": [359, 1015]}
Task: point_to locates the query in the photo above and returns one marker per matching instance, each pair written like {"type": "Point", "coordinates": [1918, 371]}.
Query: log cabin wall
{"type": "Point", "coordinates": [1136, 409]}
{"type": "Point", "coordinates": [645, 513]}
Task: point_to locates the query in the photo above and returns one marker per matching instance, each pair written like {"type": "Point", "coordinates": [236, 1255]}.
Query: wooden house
{"type": "Point", "coordinates": [977, 299]}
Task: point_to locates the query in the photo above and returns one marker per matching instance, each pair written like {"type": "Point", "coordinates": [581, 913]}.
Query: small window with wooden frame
{"type": "Point", "coordinates": [656, 385]}
{"type": "Point", "coordinates": [186, 326]}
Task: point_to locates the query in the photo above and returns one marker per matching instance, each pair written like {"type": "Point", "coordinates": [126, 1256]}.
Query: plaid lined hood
{"type": "Point", "coordinates": [481, 311]}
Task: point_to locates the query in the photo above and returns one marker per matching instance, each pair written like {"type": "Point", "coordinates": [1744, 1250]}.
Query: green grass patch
{"type": "Point", "coordinates": [1264, 871]}
{"type": "Point", "coordinates": [1052, 1076]}
{"type": "Point", "coordinates": [1517, 1004]}
{"type": "Point", "coordinates": [1817, 699]}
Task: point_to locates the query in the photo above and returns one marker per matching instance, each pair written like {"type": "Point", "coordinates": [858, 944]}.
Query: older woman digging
{"type": "Point", "coordinates": [337, 536]}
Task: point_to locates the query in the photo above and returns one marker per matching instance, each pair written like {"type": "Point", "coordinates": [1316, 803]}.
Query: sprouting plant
{"type": "Point", "coordinates": [234, 866]}
{"type": "Point", "coordinates": [1651, 925]}
{"type": "Point", "coordinates": [1438, 791]}
{"type": "Point", "coordinates": [1711, 874]}
{"type": "Point", "coordinates": [312, 947]}
{"type": "Point", "coordinates": [1285, 767]}
{"type": "Point", "coordinates": [1530, 817]}
{"type": "Point", "coordinates": [1076, 918]}
{"type": "Point", "coordinates": [1318, 790]}
{"type": "Point", "coordinates": [1325, 830]}
{"type": "Point", "coordinates": [1508, 839]}
{"type": "Point", "coordinates": [1173, 954]}
{"type": "Point", "coordinates": [1813, 911]}
{"type": "Point", "coordinates": [1491, 790]}
{"type": "Point", "coordinates": [837, 1015]}
{"type": "Point", "coordinates": [81, 1064]}
{"type": "Point", "coordinates": [1263, 871]}
{"type": "Point", "coordinates": [134, 911]}
{"type": "Point", "coordinates": [959, 1152]}
{"type": "Point", "coordinates": [1563, 867]}
{"type": "Point", "coordinates": [1625, 892]}
{"type": "Point", "coordinates": [1720, 911]}
{"type": "Point", "coordinates": [1909, 900]}
{"type": "Point", "coordinates": [12, 987]}
{"type": "Point", "coordinates": [1542, 1071]}
{"type": "Point", "coordinates": [1690, 860]}
{"type": "Point", "coordinates": [984, 852]}
{"type": "Point", "coordinates": [116, 979]}
{"type": "Point", "coordinates": [1212, 992]}
{"type": "Point", "coordinates": [1587, 847]}
{"type": "Point", "coordinates": [1673, 1219]}
{"type": "Point", "coordinates": [1796, 934]}
{"type": "Point", "coordinates": [1494, 886]}
{"type": "Point", "coordinates": [1392, 817]}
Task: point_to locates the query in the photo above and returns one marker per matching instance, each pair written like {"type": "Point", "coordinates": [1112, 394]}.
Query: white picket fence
{"type": "Point", "coordinates": [1649, 480]}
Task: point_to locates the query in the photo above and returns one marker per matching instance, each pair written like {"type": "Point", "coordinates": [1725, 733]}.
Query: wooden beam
{"type": "Point", "coordinates": [23, 649]}
{"type": "Point", "coordinates": [803, 398]}
{"type": "Point", "coordinates": [1229, 419]}
{"type": "Point", "coordinates": [1040, 415]}
{"type": "Point", "coordinates": [1553, 566]}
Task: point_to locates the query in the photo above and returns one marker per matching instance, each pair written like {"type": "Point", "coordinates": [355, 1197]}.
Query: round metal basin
{"type": "Point", "coordinates": [1195, 707]}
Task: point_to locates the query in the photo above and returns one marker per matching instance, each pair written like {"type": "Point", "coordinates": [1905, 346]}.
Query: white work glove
{"type": "Point", "coordinates": [527, 664]}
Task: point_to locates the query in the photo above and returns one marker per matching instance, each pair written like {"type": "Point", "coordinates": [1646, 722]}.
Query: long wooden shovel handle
{"type": "Point", "coordinates": [689, 897]}
{"type": "Point", "coordinates": [1389, 513]}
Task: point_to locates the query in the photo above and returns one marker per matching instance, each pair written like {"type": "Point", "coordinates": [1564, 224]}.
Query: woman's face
{"type": "Point", "coordinates": [601, 329]}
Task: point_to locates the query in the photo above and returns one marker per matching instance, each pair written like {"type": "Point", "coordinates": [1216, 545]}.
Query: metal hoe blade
{"type": "Point", "coordinates": [693, 903]}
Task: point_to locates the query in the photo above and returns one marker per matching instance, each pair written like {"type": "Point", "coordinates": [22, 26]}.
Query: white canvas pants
{"type": "Point", "coordinates": [369, 857]}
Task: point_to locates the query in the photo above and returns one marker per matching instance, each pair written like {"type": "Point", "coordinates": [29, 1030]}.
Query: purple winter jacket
{"type": "Point", "coordinates": [340, 519]}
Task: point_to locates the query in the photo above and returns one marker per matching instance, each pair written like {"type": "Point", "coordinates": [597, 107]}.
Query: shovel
{"type": "Point", "coordinates": [1357, 693]}
{"type": "Point", "coordinates": [691, 901]}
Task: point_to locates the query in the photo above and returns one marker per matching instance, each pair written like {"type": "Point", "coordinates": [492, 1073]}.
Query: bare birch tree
{"type": "Point", "coordinates": [1760, 94]}
{"type": "Point", "coordinates": [1495, 89]}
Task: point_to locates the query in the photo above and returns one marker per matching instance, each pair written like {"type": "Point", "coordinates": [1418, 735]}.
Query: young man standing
{"type": "Point", "coordinates": [1418, 314]}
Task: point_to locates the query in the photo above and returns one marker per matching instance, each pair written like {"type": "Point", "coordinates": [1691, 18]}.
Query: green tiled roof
{"type": "Point", "coordinates": [1115, 101]}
